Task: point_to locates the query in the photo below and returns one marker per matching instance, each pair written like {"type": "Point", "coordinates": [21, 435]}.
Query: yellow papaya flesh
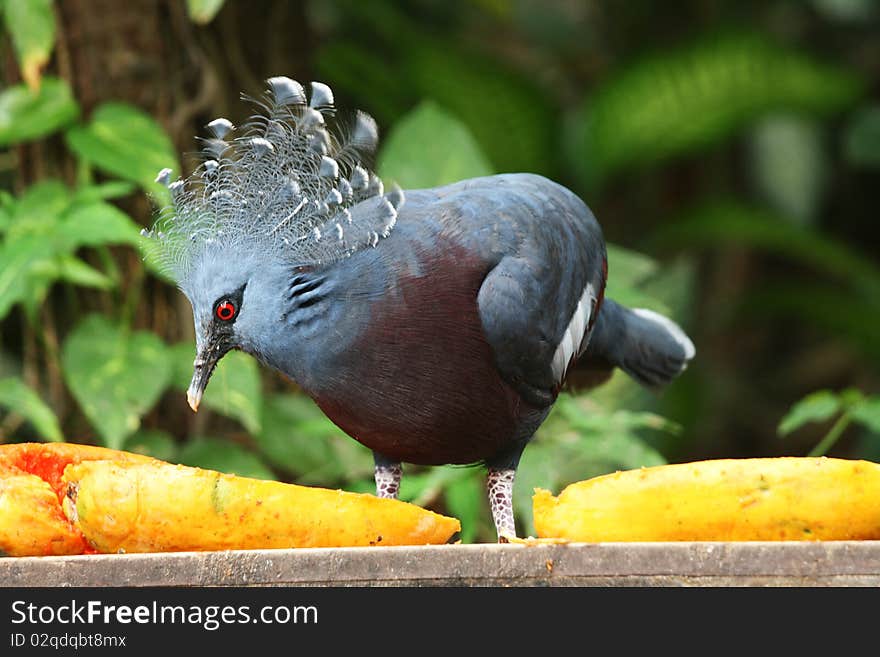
{"type": "Point", "coordinates": [763, 499]}
{"type": "Point", "coordinates": [31, 522]}
{"type": "Point", "coordinates": [31, 519]}
{"type": "Point", "coordinates": [161, 507]}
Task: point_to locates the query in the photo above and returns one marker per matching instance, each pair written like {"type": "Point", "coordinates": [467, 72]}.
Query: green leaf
{"type": "Point", "coordinates": [510, 117]}
{"type": "Point", "coordinates": [103, 191]}
{"type": "Point", "coordinates": [17, 397]}
{"type": "Point", "coordinates": [580, 439]}
{"type": "Point", "coordinates": [627, 272]}
{"type": "Point", "coordinates": [31, 24]}
{"type": "Point", "coordinates": [298, 437]}
{"type": "Point", "coordinates": [26, 267]}
{"type": "Point", "coordinates": [203, 11]}
{"type": "Point", "coordinates": [223, 456]}
{"type": "Point", "coordinates": [862, 139]}
{"type": "Point", "coordinates": [152, 442]}
{"type": "Point", "coordinates": [867, 413]}
{"type": "Point", "coordinates": [816, 407]}
{"type": "Point", "coordinates": [686, 99]}
{"type": "Point", "coordinates": [30, 249]}
{"type": "Point", "coordinates": [39, 208]}
{"type": "Point", "coordinates": [116, 375]}
{"type": "Point", "coordinates": [729, 222]}
{"type": "Point", "coordinates": [840, 314]}
{"type": "Point", "coordinates": [44, 231]}
{"type": "Point", "coordinates": [789, 165]}
{"type": "Point", "coordinates": [465, 499]}
{"type": "Point", "coordinates": [124, 141]}
{"type": "Point", "coordinates": [235, 388]}
{"type": "Point", "coordinates": [181, 357]}
{"type": "Point", "coordinates": [96, 224]}
{"type": "Point", "coordinates": [25, 115]}
{"type": "Point", "coordinates": [73, 270]}
{"type": "Point", "coordinates": [423, 488]}
{"type": "Point", "coordinates": [236, 391]}
{"type": "Point", "coordinates": [557, 458]}
{"type": "Point", "coordinates": [429, 147]}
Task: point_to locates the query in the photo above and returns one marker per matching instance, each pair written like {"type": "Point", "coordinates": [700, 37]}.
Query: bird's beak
{"type": "Point", "coordinates": [194, 394]}
{"type": "Point", "coordinates": [203, 367]}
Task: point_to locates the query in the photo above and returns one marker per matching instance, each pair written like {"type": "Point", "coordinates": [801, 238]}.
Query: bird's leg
{"type": "Point", "coordinates": [388, 480]}
{"type": "Point", "coordinates": [500, 485]}
{"type": "Point", "coordinates": [388, 474]}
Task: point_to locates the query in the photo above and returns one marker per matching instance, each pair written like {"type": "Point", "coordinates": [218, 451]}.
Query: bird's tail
{"type": "Point", "coordinates": [649, 347]}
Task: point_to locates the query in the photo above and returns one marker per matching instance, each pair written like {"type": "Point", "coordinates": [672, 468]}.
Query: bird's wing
{"type": "Point", "coordinates": [538, 303]}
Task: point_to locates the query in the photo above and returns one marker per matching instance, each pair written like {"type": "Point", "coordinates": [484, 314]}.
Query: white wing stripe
{"type": "Point", "coordinates": [573, 337]}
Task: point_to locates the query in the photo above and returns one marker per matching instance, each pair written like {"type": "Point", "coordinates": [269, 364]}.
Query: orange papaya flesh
{"type": "Point", "coordinates": [159, 507]}
{"type": "Point", "coordinates": [761, 499]}
{"type": "Point", "coordinates": [32, 522]}
{"type": "Point", "coordinates": [48, 460]}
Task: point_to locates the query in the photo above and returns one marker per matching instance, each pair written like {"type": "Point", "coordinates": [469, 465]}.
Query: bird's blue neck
{"type": "Point", "coordinates": [299, 328]}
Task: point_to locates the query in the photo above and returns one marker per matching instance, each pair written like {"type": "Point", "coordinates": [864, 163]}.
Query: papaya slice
{"type": "Point", "coordinates": [32, 522]}
{"type": "Point", "coordinates": [159, 507]}
{"type": "Point", "coordinates": [762, 499]}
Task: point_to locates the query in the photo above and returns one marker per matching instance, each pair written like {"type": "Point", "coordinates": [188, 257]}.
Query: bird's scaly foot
{"type": "Point", "coordinates": [388, 480]}
{"type": "Point", "coordinates": [500, 486]}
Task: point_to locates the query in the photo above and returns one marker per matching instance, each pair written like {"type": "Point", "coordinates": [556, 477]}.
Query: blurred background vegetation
{"type": "Point", "coordinates": [730, 149]}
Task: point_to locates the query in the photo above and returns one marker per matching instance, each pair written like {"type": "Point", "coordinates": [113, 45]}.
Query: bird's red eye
{"type": "Point", "coordinates": [225, 311]}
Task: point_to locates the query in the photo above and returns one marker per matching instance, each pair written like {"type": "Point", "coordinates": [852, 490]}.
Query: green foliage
{"type": "Point", "coordinates": [235, 389]}
{"type": "Point", "coordinates": [680, 101]}
{"type": "Point", "coordinates": [428, 147]}
{"type": "Point", "coordinates": [628, 271]}
{"type": "Point", "coordinates": [726, 222]}
{"type": "Point", "coordinates": [850, 308]}
{"type": "Point", "coordinates": [299, 439]}
{"type": "Point", "coordinates": [849, 406]}
{"type": "Point", "coordinates": [862, 142]}
{"type": "Point", "coordinates": [31, 24]}
{"type": "Point", "coordinates": [867, 413]}
{"type": "Point", "coordinates": [26, 115]}
{"type": "Point", "coordinates": [153, 442]}
{"type": "Point", "coordinates": [462, 490]}
{"type": "Point", "coordinates": [584, 438]}
{"type": "Point", "coordinates": [43, 231]}
{"type": "Point", "coordinates": [509, 116]}
{"type": "Point", "coordinates": [223, 456]}
{"type": "Point", "coordinates": [815, 407]}
{"type": "Point", "coordinates": [126, 142]}
{"type": "Point", "coordinates": [18, 398]}
{"type": "Point", "coordinates": [203, 11]}
{"type": "Point", "coordinates": [365, 76]}
{"type": "Point", "coordinates": [788, 165]}
{"type": "Point", "coordinates": [115, 374]}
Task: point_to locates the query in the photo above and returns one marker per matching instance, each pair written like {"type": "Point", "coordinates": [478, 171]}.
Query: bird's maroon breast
{"type": "Point", "coordinates": [420, 384]}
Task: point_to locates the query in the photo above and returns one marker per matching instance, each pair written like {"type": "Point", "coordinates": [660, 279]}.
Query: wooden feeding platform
{"type": "Point", "coordinates": [830, 563]}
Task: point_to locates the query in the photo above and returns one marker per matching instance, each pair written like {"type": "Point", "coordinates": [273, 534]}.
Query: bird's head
{"type": "Point", "coordinates": [288, 189]}
{"type": "Point", "coordinates": [220, 315]}
{"type": "Point", "coordinates": [237, 302]}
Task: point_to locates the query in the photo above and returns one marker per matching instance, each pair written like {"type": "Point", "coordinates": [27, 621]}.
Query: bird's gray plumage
{"type": "Point", "coordinates": [435, 326]}
{"type": "Point", "coordinates": [292, 184]}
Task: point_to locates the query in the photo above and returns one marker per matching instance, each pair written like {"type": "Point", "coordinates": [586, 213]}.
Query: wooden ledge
{"type": "Point", "coordinates": [832, 563]}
